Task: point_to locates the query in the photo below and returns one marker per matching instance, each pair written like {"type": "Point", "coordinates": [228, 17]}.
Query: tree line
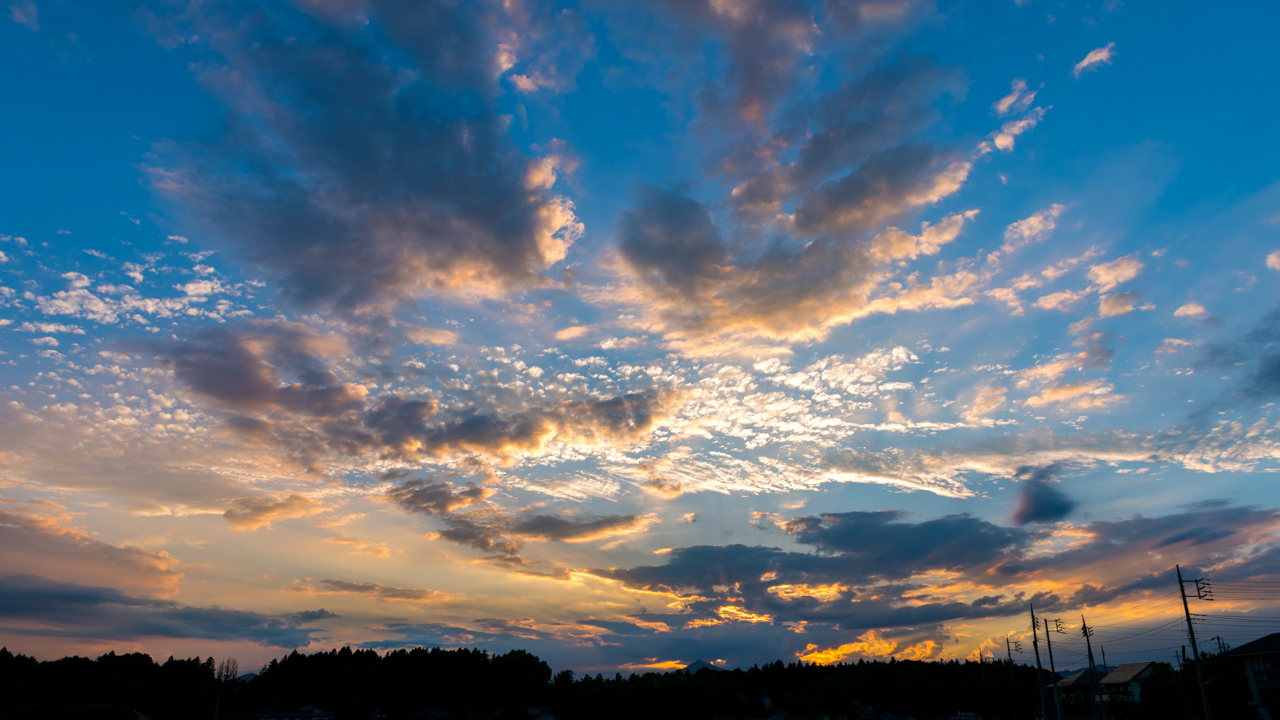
{"type": "Point", "coordinates": [467, 683]}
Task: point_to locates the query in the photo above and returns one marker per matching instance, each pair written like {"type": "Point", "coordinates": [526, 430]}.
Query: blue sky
{"type": "Point", "coordinates": [632, 336]}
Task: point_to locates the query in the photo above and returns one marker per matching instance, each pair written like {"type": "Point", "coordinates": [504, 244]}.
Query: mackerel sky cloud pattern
{"type": "Point", "coordinates": [630, 334]}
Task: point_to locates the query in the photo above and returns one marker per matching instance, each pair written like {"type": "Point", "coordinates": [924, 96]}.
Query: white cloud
{"type": "Point", "coordinates": [1273, 260]}
{"type": "Point", "coordinates": [1100, 56]}
{"type": "Point", "coordinates": [1004, 138]}
{"type": "Point", "coordinates": [1035, 229]}
{"type": "Point", "coordinates": [1110, 274]}
{"type": "Point", "coordinates": [1078, 396]}
{"type": "Point", "coordinates": [1173, 345]}
{"type": "Point", "coordinates": [1016, 101]}
{"type": "Point", "coordinates": [1191, 309]}
{"type": "Point", "coordinates": [49, 328]}
{"type": "Point", "coordinates": [1061, 300]}
{"type": "Point", "coordinates": [1118, 304]}
{"type": "Point", "coordinates": [431, 336]}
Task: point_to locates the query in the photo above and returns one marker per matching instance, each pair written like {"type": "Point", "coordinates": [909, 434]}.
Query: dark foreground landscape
{"type": "Point", "coordinates": [420, 683]}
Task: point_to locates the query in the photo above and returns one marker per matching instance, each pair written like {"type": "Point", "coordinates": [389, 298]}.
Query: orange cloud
{"type": "Point", "coordinates": [869, 644]}
{"type": "Point", "coordinates": [254, 513]}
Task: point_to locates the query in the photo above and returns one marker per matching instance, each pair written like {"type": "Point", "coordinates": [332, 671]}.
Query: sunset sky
{"type": "Point", "coordinates": [638, 333]}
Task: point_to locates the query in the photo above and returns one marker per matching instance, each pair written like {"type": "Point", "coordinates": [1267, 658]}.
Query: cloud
{"type": "Point", "coordinates": [279, 384]}
{"type": "Point", "coordinates": [579, 529]}
{"type": "Point", "coordinates": [410, 428]}
{"type": "Point", "coordinates": [1096, 57]}
{"type": "Point", "coordinates": [1254, 349]}
{"type": "Point", "coordinates": [243, 370]}
{"type": "Point", "coordinates": [254, 513]}
{"type": "Point", "coordinates": [1062, 300]}
{"type": "Point", "coordinates": [884, 187]}
{"type": "Point", "coordinates": [47, 328]}
{"type": "Point", "coordinates": [47, 608]}
{"type": "Point", "coordinates": [879, 540]}
{"type": "Point", "coordinates": [431, 336]}
{"type": "Point", "coordinates": [870, 644]}
{"type": "Point", "coordinates": [490, 530]}
{"type": "Point", "coordinates": [35, 538]}
{"type": "Point", "coordinates": [1035, 229]}
{"type": "Point", "coordinates": [25, 12]}
{"type": "Point", "coordinates": [763, 43]}
{"type": "Point", "coordinates": [1006, 136]}
{"type": "Point", "coordinates": [1110, 274]}
{"type": "Point", "coordinates": [1191, 309]}
{"type": "Point", "coordinates": [1017, 100]}
{"type": "Point", "coordinates": [437, 498]}
{"type": "Point", "coordinates": [876, 572]}
{"type": "Point", "coordinates": [1078, 395]}
{"type": "Point", "coordinates": [573, 332]}
{"type": "Point", "coordinates": [986, 401]}
{"type": "Point", "coordinates": [680, 267]}
{"type": "Point", "coordinates": [1173, 345]}
{"type": "Point", "coordinates": [1039, 501]}
{"type": "Point", "coordinates": [1118, 304]}
{"type": "Point", "coordinates": [1273, 260]}
{"type": "Point", "coordinates": [376, 591]}
{"type": "Point", "coordinates": [420, 191]}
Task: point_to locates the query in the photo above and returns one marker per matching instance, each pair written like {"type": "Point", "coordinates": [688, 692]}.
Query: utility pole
{"type": "Point", "coordinates": [1105, 667]}
{"type": "Point", "coordinates": [1010, 649]}
{"type": "Point", "coordinates": [1191, 631]}
{"type": "Point", "coordinates": [1053, 672]}
{"type": "Point", "coordinates": [1035, 644]}
{"type": "Point", "coordinates": [1095, 698]}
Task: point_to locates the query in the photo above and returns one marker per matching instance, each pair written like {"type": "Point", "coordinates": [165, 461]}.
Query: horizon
{"type": "Point", "coordinates": [822, 329]}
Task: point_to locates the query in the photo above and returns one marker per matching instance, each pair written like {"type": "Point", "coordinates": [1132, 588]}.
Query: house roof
{"type": "Point", "coordinates": [1126, 673]}
{"type": "Point", "coordinates": [1262, 646]}
{"type": "Point", "coordinates": [1081, 678]}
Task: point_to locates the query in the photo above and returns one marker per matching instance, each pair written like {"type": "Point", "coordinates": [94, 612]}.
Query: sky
{"type": "Point", "coordinates": [633, 334]}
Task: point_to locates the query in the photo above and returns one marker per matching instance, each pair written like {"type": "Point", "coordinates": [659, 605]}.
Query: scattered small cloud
{"type": "Point", "coordinates": [1099, 56]}
{"type": "Point", "coordinates": [25, 12]}
{"type": "Point", "coordinates": [1173, 345]}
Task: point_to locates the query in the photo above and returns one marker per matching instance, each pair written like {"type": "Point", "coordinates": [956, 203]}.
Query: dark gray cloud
{"type": "Point", "coordinates": [437, 498]}
{"type": "Point", "coordinates": [1039, 500]}
{"type": "Point", "coordinates": [879, 540]}
{"type": "Point", "coordinates": [1043, 503]}
{"type": "Point", "coordinates": [499, 533]}
{"type": "Point", "coordinates": [844, 129]}
{"type": "Point", "coordinates": [63, 609]}
{"type": "Point", "coordinates": [757, 47]}
{"type": "Point", "coordinates": [261, 367]}
{"type": "Point", "coordinates": [861, 578]}
{"type": "Point", "coordinates": [576, 529]}
{"type": "Point", "coordinates": [365, 161]}
{"type": "Point", "coordinates": [1254, 350]}
{"type": "Point", "coordinates": [410, 427]}
{"type": "Point", "coordinates": [374, 590]}
{"type": "Point", "coordinates": [885, 187]}
{"type": "Point", "coordinates": [1202, 530]}
{"type": "Point", "coordinates": [280, 383]}
{"type": "Point", "coordinates": [671, 241]}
